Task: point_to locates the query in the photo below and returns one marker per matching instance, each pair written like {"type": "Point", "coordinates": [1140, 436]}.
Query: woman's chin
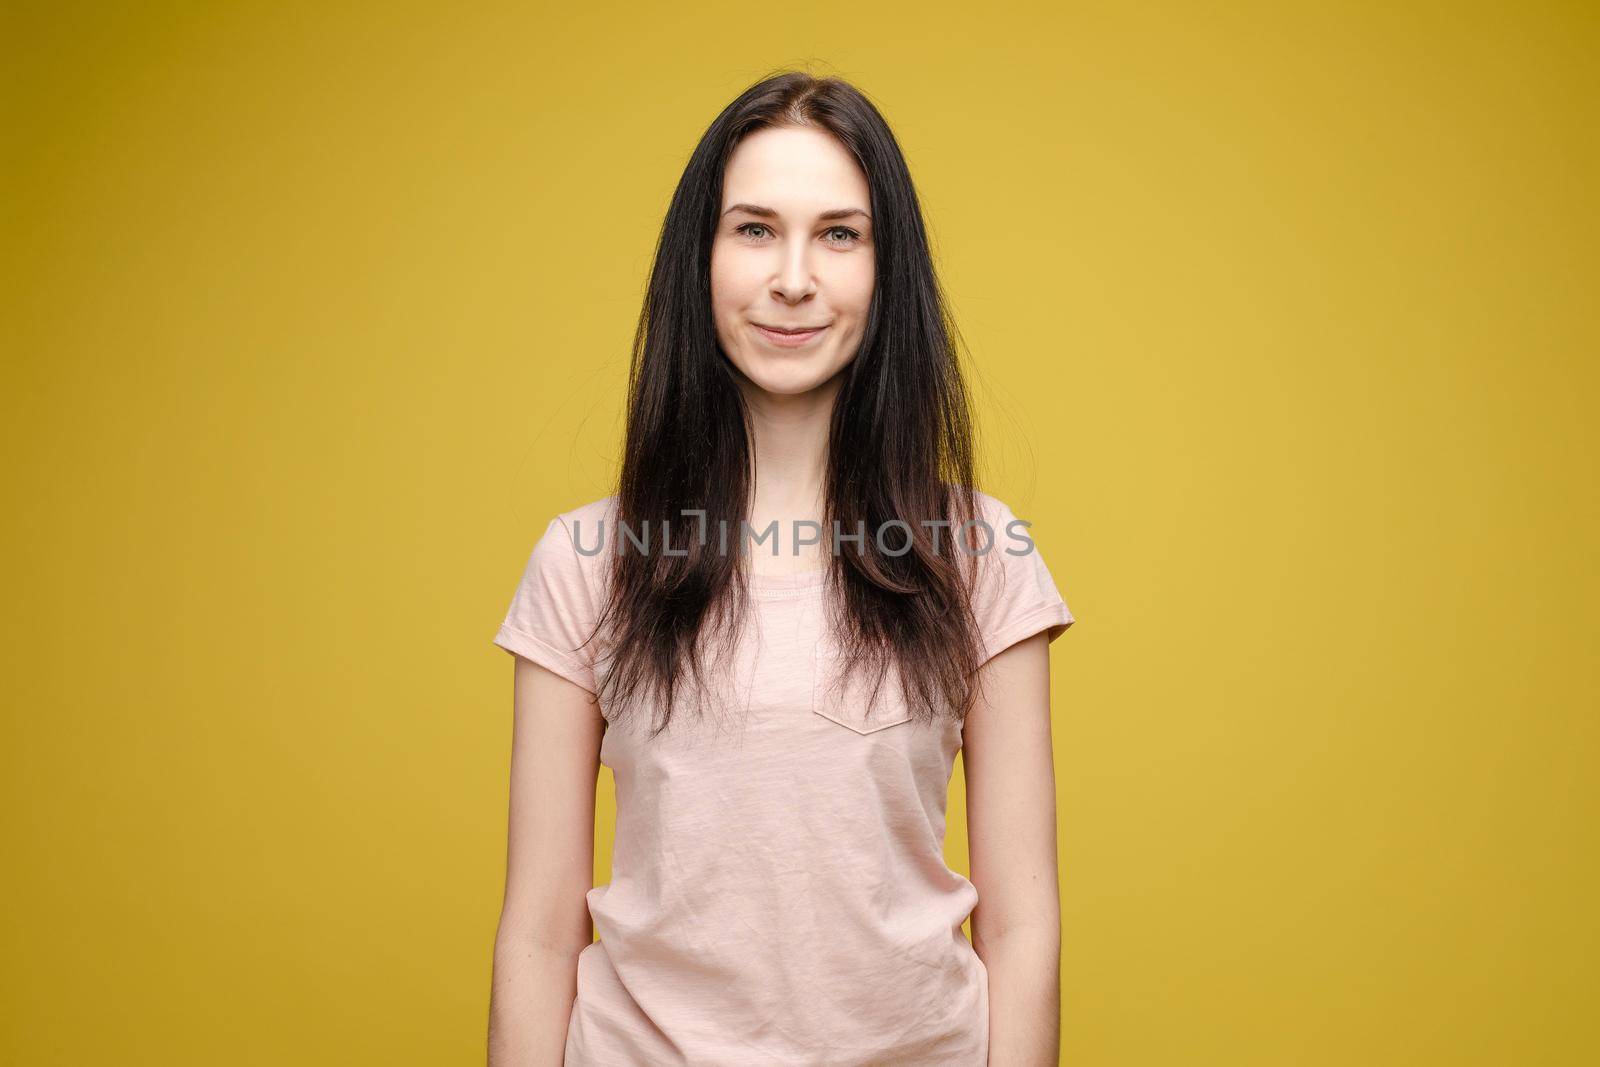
{"type": "Point", "coordinates": [788, 377]}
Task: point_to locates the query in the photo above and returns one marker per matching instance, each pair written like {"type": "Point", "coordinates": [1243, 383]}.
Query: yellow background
{"type": "Point", "coordinates": [315, 313]}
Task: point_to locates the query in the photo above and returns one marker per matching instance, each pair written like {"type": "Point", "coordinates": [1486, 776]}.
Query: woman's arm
{"type": "Point", "coordinates": [544, 921]}
{"type": "Point", "coordinates": [1011, 831]}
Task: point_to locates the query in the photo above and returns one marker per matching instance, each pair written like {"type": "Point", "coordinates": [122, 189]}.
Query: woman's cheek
{"type": "Point", "coordinates": [857, 283]}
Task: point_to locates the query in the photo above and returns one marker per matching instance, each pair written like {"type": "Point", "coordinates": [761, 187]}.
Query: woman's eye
{"type": "Point", "coordinates": [836, 235]}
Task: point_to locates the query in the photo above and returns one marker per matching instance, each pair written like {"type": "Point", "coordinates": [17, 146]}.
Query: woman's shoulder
{"type": "Point", "coordinates": [557, 599]}
{"type": "Point", "coordinates": [991, 510]}
{"type": "Point", "coordinates": [1015, 594]}
{"type": "Point", "coordinates": [579, 536]}
{"type": "Point", "coordinates": [594, 515]}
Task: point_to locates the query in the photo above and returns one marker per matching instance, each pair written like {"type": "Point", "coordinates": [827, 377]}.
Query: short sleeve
{"type": "Point", "coordinates": [552, 612]}
{"type": "Point", "coordinates": [1015, 596]}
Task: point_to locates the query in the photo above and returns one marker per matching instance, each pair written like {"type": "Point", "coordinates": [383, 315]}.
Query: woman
{"type": "Point", "coordinates": [781, 710]}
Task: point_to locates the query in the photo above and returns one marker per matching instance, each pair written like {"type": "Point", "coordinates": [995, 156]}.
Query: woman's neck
{"type": "Point", "coordinates": [789, 455]}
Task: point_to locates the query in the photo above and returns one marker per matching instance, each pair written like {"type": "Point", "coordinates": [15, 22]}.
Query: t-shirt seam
{"type": "Point", "coordinates": [785, 594]}
{"type": "Point", "coordinates": [566, 659]}
{"type": "Point", "coordinates": [1015, 631]}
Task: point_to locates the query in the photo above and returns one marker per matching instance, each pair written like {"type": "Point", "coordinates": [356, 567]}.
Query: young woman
{"type": "Point", "coordinates": [781, 710]}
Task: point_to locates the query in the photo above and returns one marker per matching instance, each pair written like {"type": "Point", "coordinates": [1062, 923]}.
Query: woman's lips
{"type": "Point", "coordinates": [789, 340]}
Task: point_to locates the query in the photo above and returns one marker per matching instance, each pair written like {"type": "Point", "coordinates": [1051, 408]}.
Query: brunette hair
{"type": "Point", "coordinates": [900, 440]}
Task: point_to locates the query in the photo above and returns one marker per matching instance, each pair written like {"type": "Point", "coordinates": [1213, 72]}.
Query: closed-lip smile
{"type": "Point", "coordinates": [790, 329]}
{"type": "Point", "coordinates": [790, 336]}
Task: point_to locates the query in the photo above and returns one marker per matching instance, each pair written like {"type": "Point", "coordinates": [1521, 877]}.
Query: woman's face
{"type": "Point", "coordinates": [793, 250]}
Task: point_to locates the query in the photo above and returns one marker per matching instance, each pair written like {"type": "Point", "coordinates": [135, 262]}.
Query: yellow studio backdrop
{"type": "Point", "coordinates": [1283, 323]}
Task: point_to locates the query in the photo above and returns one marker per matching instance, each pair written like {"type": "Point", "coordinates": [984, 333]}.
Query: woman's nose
{"type": "Point", "coordinates": [795, 280]}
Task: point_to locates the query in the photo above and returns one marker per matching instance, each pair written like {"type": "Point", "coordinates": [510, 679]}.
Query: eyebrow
{"type": "Point", "coordinates": [768, 213]}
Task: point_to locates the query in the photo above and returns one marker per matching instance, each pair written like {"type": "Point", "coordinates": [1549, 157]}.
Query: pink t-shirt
{"type": "Point", "coordinates": [778, 888]}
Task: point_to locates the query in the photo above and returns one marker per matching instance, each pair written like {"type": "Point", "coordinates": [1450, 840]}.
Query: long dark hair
{"type": "Point", "coordinates": [900, 441]}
